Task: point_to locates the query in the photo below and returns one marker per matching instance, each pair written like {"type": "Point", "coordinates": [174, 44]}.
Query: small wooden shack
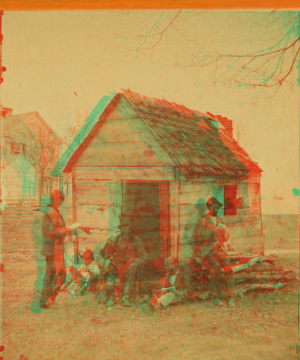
{"type": "Point", "coordinates": [150, 160]}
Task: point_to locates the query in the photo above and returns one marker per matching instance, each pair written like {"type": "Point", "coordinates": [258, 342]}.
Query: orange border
{"type": "Point", "coordinates": [19, 5]}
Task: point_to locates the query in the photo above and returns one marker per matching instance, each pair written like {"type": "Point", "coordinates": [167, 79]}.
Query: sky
{"type": "Point", "coordinates": [61, 64]}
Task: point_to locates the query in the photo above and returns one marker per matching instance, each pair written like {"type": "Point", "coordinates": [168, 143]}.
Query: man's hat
{"type": "Point", "coordinates": [57, 192]}
{"type": "Point", "coordinates": [214, 201]}
{"type": "Point", "coordinates": [88, 254]}
{"type": "Point", "coordinates": [200, 202]}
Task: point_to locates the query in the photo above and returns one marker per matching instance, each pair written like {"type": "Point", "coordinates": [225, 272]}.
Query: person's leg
{"type": "Point", "coordinates": [166, 300]}
{"type": "Point", "coordinates": [48, 280]}
{"type": "Point", "coordinates": [38, 285]}
{"type": "Point", "coordinates": [60, 280]}
{"type": "Point", "coordinates": [130, 276]}
{"type": "Point", "coordinates": [61, 273]}
{"type": "Point", "coordinates": [218, 282]}
{"type": "Point", "coordinates": [222, 256]}
{"type": "Point", "coordinates": [109, 293]}
{"type": "Point", "coordinates": [187, 269]}
{"type": "Point", "coordinates": [107, 289]}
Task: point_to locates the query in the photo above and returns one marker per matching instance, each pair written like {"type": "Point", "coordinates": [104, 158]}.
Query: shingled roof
{"type": "Point", "coordinates": [196, 142]}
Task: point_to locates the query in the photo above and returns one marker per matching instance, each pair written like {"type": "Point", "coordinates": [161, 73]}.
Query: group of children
{"type": "Point", "coordinates": [172, 286]}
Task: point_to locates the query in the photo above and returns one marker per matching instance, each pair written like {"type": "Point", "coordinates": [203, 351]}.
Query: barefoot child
{"type": "Point", "coordinates": [82, 276]}
{"type": "Point", "coordinates": [173, 289]}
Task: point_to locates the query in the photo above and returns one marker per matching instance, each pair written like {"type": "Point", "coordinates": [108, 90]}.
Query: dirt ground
{"type": "Point", "coordinates": [261, 326]}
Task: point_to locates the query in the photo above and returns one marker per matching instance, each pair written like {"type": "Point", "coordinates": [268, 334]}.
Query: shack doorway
{"type": "Point", "coordinates": [145, 205]}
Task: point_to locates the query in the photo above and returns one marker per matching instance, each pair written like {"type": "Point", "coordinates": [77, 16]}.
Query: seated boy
{"type": "Point", "coordinates": [173, 288]}
{"type": "Point", "coordinates": [84, 274]}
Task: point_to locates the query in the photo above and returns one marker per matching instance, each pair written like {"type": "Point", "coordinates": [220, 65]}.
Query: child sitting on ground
{"type": "Point", "coordinates": [83, 275]}
{"type": "Point", "coordinates": [173, 288]}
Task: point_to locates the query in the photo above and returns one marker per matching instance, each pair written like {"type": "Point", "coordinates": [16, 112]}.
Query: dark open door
{"type": "Point", "coordinates": [141, 206]}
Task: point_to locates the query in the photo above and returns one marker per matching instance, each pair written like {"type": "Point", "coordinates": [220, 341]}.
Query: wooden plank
{"type": "Point", "coordinates": [76, 243]}
{"type": "Point", "coordinates": [93, 193]}
{"type": "Point", "coordinates": [190, 192]}
{"type": "Point", "coordinates": [125, 173]}
{"type": "Point", "coordinates": [97, 202]}
{"type": "Point", "coordinates": [117, 130]}
{"type": "Point", "coordinates": [122, 141]}
{"type": "Point", "coordinates": [174, 217]}
{"type": "Point", "coordinates": [119, 154]}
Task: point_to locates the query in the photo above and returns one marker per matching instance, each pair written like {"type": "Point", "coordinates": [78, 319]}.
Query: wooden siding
{"type": "Point", "coordinates": [174, 218]}
{"type": "Point", "coordinates": [122, 140]}
{"type": "Point", "coordinates": [125, 174]}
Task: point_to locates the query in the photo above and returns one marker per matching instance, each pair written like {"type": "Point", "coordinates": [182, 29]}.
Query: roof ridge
{"type": "Point", "coordinates": [163, 102]}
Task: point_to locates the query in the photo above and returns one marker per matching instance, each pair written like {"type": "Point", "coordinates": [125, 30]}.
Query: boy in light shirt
{"type": "Point", "coordinates": [83, 275]}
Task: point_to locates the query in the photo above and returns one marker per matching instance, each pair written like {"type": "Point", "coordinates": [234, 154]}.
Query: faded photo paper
{"type": "Point", "coordinates": [150, 185]}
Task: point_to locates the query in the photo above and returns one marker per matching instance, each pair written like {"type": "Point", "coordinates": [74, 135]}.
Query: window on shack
{"type": "Point", "coordinates": [230, 200]}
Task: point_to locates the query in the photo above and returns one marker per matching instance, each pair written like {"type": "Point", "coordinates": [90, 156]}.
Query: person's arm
{"type": "Point", "coordinates": [107, 251]}
{"type": "Point", "coordinates": [205, 236]}
{"type": "Point", "coordinates": [59, 233]}
{"type": "Point", "coordinates": [104, 252]}
{"type": "Point", "coordinates": [202, 233]}
{"type": "Point", "coordinates": [97, 256]}
{"type": "Point", "coordinates": [140, 250]}
{"type": "Point", "coordinates": [96, 269]}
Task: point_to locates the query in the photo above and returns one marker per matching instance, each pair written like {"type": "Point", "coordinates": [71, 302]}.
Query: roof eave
{"type": "Point", "coordinates": [83, 133]}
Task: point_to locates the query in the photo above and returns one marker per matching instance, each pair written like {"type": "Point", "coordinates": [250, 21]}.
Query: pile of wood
{"type": "Point", "coordinates": [249, 273]}
{"type": "Point", "coordinates": [257, 273]}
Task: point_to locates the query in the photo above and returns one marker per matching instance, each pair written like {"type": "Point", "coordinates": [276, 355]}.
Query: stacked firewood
{"type": "Point", "coordinates": [257, 273]}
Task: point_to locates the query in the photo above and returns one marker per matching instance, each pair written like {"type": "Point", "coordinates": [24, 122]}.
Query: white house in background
{"type": "Point", "coordinates": [30, 152]}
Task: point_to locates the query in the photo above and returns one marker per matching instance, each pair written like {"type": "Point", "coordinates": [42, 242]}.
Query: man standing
{"type": "Point", "coordinates": [200, 244]}
{"type": "Point", "coordinates": [206, 236]}
{"type": "Point", "coordinates": [218, 251]}
{"type": "Point", "coordinates": [125, 253]}
{"type": "Point", "coordinates": [48, 233]}
{"type": "Point", "coordinates": [41, 223]}
{"type": "Point", "coordinates": [58, 235]}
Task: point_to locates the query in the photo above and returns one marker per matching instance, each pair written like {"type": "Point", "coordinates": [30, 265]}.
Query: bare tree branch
{"type": "Point", "coordinates": [160, 34]}
{"type": "Point", "coordinates": [268, 67]}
